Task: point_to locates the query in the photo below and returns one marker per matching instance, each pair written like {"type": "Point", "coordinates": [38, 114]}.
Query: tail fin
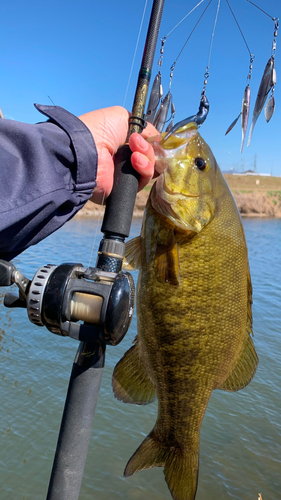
{"type": "Point", "coordinates": [181, 474]}
{"type": "Point", "coordinates": [180, 468]}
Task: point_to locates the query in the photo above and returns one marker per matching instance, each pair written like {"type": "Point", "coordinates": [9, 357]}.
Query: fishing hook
{"type": "Point", "coordinates": [199, 118]}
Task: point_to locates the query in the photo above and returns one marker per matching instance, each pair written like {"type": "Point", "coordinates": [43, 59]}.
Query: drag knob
{"type": "Point", "coordinates": [120, 308]}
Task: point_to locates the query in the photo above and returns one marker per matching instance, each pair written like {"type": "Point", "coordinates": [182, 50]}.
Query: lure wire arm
{"type": "Point", "coordinates": [204, 106]}
{"type": "Point", "coordinates": [161, 117]}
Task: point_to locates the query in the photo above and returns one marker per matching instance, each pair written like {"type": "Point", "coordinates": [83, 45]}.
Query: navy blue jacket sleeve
{"type": "Point", "coordinates": [47, 173]}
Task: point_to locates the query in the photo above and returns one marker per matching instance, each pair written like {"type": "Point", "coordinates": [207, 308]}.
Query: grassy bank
{"type": "Point", "coordinates": [253, 183]}
{"type": "Point", "coordinates": [255, 196]}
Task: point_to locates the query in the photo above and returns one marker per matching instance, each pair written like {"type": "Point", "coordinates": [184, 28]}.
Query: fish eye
{"type": "Point", "coordinates": [200, 163]}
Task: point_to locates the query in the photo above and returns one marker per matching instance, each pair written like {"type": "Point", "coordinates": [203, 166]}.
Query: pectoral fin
{"type": "Point", "coordinates": [132, 259]}
{"type": "Point", "coordinates": [167, 261]}
{"type": "Point", "coordinates": [130, 381]}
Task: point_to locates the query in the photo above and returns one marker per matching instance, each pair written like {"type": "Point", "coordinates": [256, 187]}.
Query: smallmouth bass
{"type": "Point", "coordinates": [194, 299]}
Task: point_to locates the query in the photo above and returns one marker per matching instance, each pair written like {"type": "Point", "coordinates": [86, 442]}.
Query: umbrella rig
{"type": "Point", "coordinates": [161, 109]}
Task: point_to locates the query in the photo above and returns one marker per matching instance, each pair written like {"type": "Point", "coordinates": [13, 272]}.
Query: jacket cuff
{"type": "Point", "coordinates": [83, 144]}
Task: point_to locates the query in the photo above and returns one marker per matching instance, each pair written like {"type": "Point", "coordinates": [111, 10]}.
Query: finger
{"type": "Point", "coordinates": [138, 144]}
{"type": "Point", "coordinates": [144, 167]}
{"type": "Point", "coordinates": [149, 131]}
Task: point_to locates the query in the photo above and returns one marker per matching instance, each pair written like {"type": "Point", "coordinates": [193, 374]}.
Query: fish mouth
{"type": "Point", "coordinates": [167, 194]}
{"type": "Point", "coordinates": [178, 193]}
{"type": "Point", "coordinates": [182, 131]}
{"type": "Point", "coordinates": [165, 207]}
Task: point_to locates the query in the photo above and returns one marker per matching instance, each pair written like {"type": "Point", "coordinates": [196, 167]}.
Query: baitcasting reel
{"type": "Point", "coordinates": [62, 297]}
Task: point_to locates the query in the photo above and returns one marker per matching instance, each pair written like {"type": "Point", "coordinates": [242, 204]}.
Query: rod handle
{"type": "Point", "coordinates": [121, 201]}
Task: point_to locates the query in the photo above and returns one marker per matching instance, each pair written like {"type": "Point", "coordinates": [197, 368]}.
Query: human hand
{"type": "Point", "coordinates": [109, 127]}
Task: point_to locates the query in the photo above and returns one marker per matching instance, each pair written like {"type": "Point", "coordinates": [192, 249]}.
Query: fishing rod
{"type": "Point", "coordinates": [62, 297]}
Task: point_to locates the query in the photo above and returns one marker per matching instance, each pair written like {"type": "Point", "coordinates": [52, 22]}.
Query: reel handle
{"type": "Point", "coordinates": [7, 270]}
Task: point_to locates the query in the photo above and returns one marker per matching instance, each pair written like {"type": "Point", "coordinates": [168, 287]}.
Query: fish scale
{"type": "Point", "coordinates": [193, 308]}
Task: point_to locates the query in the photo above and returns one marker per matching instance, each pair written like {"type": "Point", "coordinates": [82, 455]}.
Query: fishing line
{"type": "Point", "coordinates": [100, 215]}
{"type": "Point", "coordinates": [97, 231]}
{"type": "Point", "coordinates": [134, 57]}
{"type": "Point", "coordinates": [51, 100]}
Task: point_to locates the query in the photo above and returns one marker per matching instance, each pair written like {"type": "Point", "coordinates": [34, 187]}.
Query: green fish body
{"type": "Point", "coordinates": [194, 299]}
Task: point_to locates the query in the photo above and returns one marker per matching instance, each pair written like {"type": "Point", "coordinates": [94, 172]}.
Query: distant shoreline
{"type": "Point", "coordinates": [255, 196]}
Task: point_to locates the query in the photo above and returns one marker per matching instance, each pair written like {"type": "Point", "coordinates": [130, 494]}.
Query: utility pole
{"type": "Point", "coordinates": [255, 162]}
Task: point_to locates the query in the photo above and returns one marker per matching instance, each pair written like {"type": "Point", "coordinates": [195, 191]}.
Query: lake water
{"type": "Point", "coordinates": [240, 452]}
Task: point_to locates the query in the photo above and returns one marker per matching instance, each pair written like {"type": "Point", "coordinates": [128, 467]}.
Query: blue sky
{"type": "Point", "coordinates": [80, 54]}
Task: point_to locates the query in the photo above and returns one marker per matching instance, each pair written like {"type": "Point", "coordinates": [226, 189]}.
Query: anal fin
{"type": "Point", "coordinates": [130, 381]}
{"type": "Point", "coordinates": [246, 366]}
{"type": "Point", "coordinates": [244, 370]}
